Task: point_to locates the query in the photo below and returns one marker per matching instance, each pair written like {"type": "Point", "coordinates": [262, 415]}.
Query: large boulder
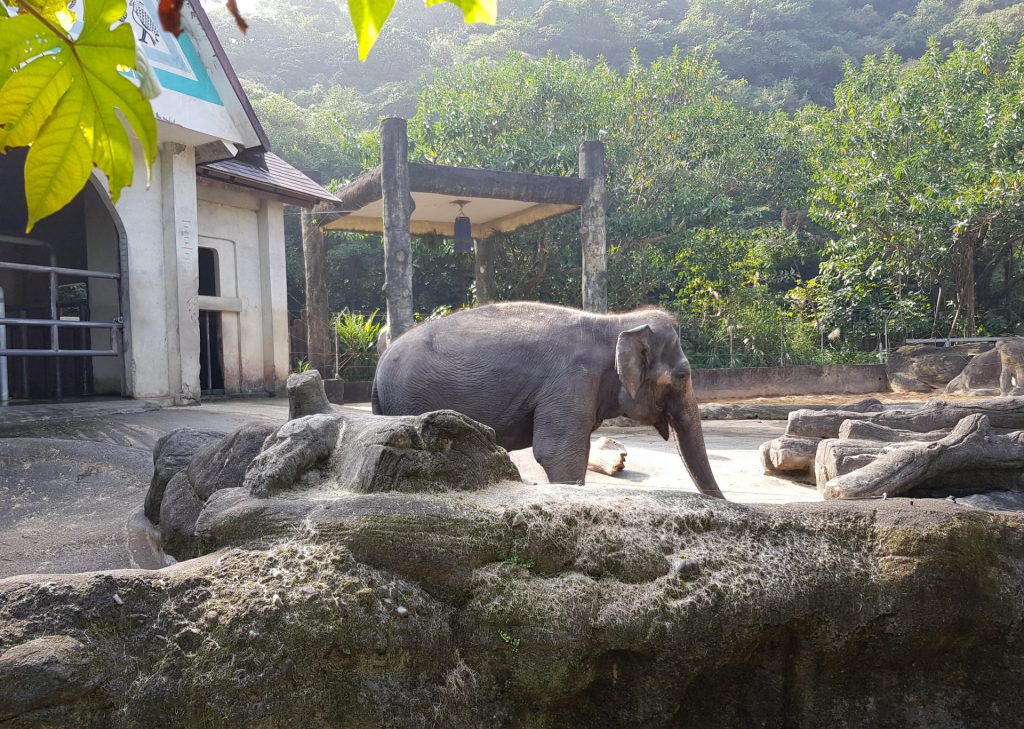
{"type": "Point", "coordinates": [979, 377]}
{"type": "Point", "coordinates": [314, 459]}
{"type": "Point", "coordinates": [220, 464]}
{"type": "Point", "coordinates": [171, 455]}
{"type": "Point", "coordinates": [544, 607]}
{"type": "Point", "coordinates": [923, 367]}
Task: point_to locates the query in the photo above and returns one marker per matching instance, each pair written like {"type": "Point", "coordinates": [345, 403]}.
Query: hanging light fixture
{"type": "Point", "coordinates": [463, 229]}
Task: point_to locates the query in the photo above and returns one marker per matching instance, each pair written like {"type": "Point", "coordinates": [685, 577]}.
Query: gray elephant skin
{"type": "Point", "coordinates": [547, 377]}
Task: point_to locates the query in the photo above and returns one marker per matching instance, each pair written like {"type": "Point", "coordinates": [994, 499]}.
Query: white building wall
{"type": "Point", "coordinates": [248, 234]}
{"type": "Point", "coordinates": [165, 224]}
{"type": "Point", "coordinates": [146, 352]}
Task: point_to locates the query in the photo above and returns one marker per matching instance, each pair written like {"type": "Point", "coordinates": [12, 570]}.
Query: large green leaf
{"type": "Point", "coordinates": [368, 17]}
{"type": "Point", "coordinates": [63, 99]}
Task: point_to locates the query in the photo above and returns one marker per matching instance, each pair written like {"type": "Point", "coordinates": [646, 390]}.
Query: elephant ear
{"type": "Point", "coordinates": [632, 355]}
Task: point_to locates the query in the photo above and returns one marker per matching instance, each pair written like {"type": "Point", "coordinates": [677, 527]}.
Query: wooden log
{"type": "Point", "coordinates": [319, 344]}
{"type": "Point", "coordinates": [483, 271]}
{"type": "Point", "coordinates": [836, 457]}
{"type": "Point", "coordinates": [826, 425]}
{"type": "Point", "coordinates": [869, 430]}
{"type": "Point", "coordinates": [937, 414]}
{"type": "Point", "coordinates": [971, 447]}
{"type": "Point", "coordinates": [790, 453]}
{"type": "Point", "coordinates": [607, 456]}
{"type": "Point", "coordinates": [398, 208]}
{"type": "Point", "coordinates": [592, 229]}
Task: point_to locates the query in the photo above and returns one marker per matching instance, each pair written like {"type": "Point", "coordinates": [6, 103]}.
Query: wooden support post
{"type": "Point", "coordinates": [398, 207]}
{"type": "Point", "coordinates": [592, 230]}
{"type": "Point", "coordinates": [483, 271]}
{"type": "Point", "coordinates": [319, 346]}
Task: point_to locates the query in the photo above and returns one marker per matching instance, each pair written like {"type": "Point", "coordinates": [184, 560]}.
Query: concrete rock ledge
{"type": "Point", "coordinates": [560, 606]}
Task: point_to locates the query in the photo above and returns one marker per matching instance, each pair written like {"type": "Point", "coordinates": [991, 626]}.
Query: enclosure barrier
{"type": "Point", "coordinates": [55, 323]}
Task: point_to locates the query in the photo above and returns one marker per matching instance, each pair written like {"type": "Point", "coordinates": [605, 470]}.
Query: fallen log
{"type": "Point", "coordinates": [870, 430]}
{"type": "Point", "coordinates": [937, 414]}
{"type": "Point", "coordinates": [789, 453]}
{"type": "Point", "coordinates": [972, 447]}
{"type": "Point", "coordinates": [607, 456]}
{"type": "Point", "coordinates": [835, 457]}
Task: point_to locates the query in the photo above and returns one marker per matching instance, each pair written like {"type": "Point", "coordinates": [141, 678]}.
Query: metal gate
{"type": "Point", "coordinates": [16, 327]}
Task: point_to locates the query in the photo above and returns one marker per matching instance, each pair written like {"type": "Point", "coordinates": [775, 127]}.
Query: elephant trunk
{"type": "Point", "coordinates": [685, 420]}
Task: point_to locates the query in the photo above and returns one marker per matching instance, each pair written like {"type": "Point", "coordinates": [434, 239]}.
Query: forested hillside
{"type": "Point", "coordinates": [775, 175]}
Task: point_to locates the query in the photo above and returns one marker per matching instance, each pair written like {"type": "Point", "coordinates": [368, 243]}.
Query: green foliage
{"type": "Point", "coordinates": [63, 96]}
{"type": "Point", "coordinates": [357, 344]}
{"type": "Point", "coordinates": [920, 174]}
{"type": "Point", "coordinates": [683, 157]}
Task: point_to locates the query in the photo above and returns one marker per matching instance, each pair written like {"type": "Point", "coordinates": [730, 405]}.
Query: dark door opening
{"type": "Point", "coordinates": [211, 367]}
{"type": "Point", "coordinates": [211, 358]}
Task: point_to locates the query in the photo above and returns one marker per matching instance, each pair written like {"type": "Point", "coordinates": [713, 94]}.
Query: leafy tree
{"type": "Point", "coordinates": [920, 174]}
{"type": "Point", "coordinates": [684, 157]}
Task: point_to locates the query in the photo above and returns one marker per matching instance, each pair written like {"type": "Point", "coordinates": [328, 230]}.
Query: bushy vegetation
{"type": "Point", "coordinates": [779, 230]}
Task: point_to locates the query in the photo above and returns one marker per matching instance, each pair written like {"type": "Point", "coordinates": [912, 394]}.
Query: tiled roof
{"type": "Point", "coordinates": [267, 172]}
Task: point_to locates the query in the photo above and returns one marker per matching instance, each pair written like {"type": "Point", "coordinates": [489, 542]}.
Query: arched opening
{"type": "Point", "coordinates": [61, 327]}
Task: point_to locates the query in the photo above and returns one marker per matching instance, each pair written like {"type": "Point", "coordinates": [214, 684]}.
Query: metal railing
{"type": "Point", "coordinates": [55, 323]}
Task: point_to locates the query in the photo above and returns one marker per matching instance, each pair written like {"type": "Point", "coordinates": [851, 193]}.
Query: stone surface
{"type": "Point", "coordinates": [306, 395]}
{"type": "Point", "coordinates": [172, 454]}
{"type": "Point", "coordinates": [1011, 359]}
{"type": "Point", "coordinates": [550, 607]}
{"type": "Point", "coordinates": [437, 451]}
{"type": "Point", "coordinates": [218, 465]}
{"type": "Point", "coordinates": [923, 367]}
{"type": "Point", "coordinates": [979, 377]}
{"type": "Point", "coordinates": [43, 672]}
{"type": "Point", "coordinates": [64, 504]}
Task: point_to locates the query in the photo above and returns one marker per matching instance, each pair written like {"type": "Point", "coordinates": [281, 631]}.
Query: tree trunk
{"type": "Point", "coordinates": [607, 456]}
{"type": "Point", "coordinates": [836, 457]}
{"type": "Point", "coordinates": [867, 430]}
{"type": "Point", "coordinates": [972, 448]}
{"type": "Point", "coordinates": [398, 207]}
{"type": "Point", "coordinates": [789, 453]}
{"type": "Point", "coordinates": [319, 344]}
{"type": "Point", "coordinates": [966, 289]}
{"type": "Point", "coordinates": [595, 243]}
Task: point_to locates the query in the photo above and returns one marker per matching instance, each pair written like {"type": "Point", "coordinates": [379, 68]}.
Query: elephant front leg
{"type": "Point", "coordinates": [561, 445]}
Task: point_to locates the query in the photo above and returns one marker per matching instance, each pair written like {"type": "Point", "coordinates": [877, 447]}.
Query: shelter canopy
{"type": "Point", "coordinates": [495, 201]}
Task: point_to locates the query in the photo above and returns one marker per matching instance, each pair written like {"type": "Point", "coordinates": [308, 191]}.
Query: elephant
{"type": "Point", "coordinates": [547, 376]}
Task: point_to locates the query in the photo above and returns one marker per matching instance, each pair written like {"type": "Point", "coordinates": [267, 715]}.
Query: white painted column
{"type": "Point", "coordinates": [274, 294]}
{"type": "Point", "coordinates": [181, 266]}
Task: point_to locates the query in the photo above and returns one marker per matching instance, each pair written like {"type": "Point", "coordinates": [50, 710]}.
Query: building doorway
{"type": "Point", "coordinates": [61, 328]}
{"type": "Point", "coordinates": [211, 342]}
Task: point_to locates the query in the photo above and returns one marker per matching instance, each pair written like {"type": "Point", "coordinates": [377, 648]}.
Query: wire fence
{"type": "Point", "coordinates": [341, 361]}
{"type": "Point", "coordinates": [775, 342]}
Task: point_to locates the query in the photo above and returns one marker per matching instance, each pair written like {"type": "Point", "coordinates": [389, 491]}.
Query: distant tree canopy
{"type": "Point", "coordinates": [919, 172]}
{"type": "Point", "coordinates": [767, 222]}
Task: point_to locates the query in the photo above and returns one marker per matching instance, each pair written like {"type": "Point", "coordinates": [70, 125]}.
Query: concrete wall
{"type": "Point", "coordinates": [798, 380]}
{"type": "Point", "coordinates": [165, 224]}
{"type": "Point", "coordinates": [247, 233]}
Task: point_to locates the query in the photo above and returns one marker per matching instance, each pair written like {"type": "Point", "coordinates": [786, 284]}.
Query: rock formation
{"type": "Point", "coordinates": [554, 607]}
{"type": "Point", "coordinates": [392, 572]}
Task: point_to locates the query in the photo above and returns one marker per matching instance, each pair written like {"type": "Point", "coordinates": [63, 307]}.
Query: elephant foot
{"type": "Point", "coordinates": [607, 456]}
